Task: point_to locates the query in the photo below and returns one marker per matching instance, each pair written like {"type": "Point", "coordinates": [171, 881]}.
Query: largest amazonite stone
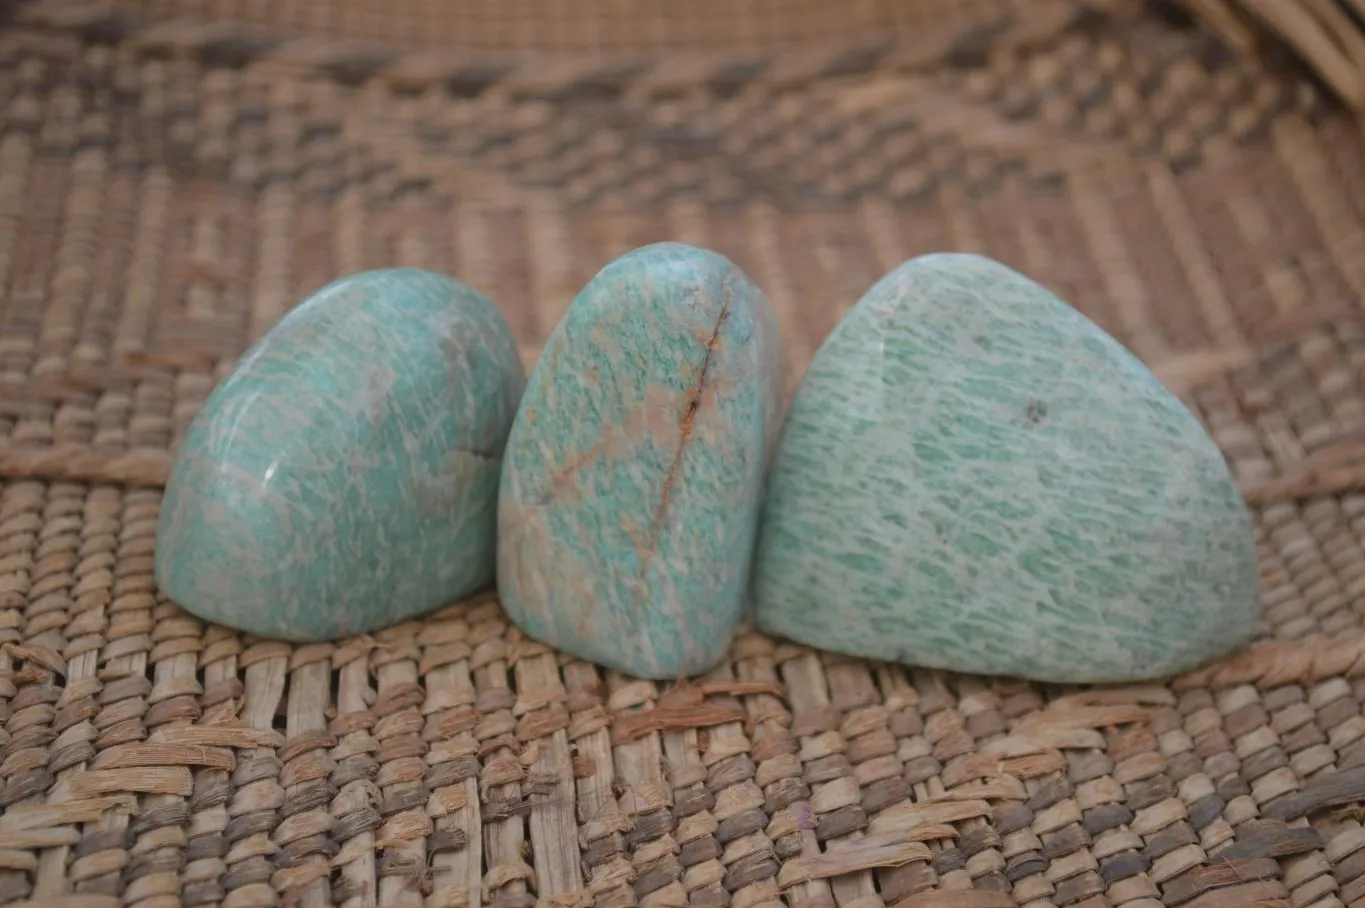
{"type": "Point", "coordinates": [344, 477]}
{"type": "Point", "coordinates": [631, 486]}
{"type": "Point", "coordinates": [972, 476]}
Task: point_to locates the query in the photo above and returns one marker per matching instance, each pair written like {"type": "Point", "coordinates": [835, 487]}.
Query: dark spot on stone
{"type": "Point", "coordinates": [1036, 412]}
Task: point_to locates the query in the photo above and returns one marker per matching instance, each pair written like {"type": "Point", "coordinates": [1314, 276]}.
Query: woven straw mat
{"type": "Point", "coordinates": [169, 186]}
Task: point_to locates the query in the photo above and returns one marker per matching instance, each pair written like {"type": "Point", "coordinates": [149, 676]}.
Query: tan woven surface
{"type": "Point", "coordinates": [161, 205]}
{"type": "Point", "coordinates": [641, 29]}
{"type": "Point", "coordinates": [1329, 38]}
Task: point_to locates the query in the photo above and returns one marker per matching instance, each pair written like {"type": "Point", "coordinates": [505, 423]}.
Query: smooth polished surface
{"type": "Point", "coordinates": [634, 469]}
{"type": "Point", "coordinates": [344, 477]}
{"type": "Point", "coordinates": [973, 476]}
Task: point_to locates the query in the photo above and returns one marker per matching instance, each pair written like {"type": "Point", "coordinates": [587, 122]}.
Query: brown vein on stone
{"type": "Point", "coordinates": [563, 477]}
{"type": "Point", "coordinates": [685, 426]}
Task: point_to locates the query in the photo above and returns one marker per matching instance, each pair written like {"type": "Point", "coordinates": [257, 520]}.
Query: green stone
{"type": "Point", "coordinates": [634, 470]}
{"type": "Point", "coordinates": [974, 477]}
{"type": "Point", "coordinates": [344, 477]}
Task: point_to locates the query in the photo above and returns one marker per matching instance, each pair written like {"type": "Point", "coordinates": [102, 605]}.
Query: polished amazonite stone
{"type": "Point", "coordinates": [634, 470]}
{"type": "Point", "coordinates": [344, 477]}
{"type": "Point", "coordinates": [972, 476]}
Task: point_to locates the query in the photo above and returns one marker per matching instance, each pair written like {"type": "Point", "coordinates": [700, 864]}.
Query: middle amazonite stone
{"type": "Point", "coordinates": [634, 470]}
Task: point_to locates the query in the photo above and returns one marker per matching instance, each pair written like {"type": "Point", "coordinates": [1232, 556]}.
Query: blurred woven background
{"type": "Point", "coordinates": [175, 174]}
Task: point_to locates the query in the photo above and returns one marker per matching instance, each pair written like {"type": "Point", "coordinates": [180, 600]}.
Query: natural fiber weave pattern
{"type": "Point", "coordinates": [162, 204]}
{"type": "Point", "coordinates": [602, 28]}
{"type": "Point", "coordinates": [1329, 38]}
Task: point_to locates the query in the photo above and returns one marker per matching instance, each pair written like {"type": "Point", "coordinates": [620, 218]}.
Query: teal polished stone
{"type": "Point", "coordinates": [972, 476]}
{"type": "Point", "coordinates": [632, 481]}
{"type": "Point", "coordinates": [344, 477]}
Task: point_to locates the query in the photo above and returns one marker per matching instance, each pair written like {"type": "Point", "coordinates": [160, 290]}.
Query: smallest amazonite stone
{"type": "Point", "coordinates": [633, 475]}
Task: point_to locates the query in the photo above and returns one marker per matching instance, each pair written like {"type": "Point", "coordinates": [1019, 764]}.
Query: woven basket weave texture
{"type": "Point", "coordinates": [174, 175]}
